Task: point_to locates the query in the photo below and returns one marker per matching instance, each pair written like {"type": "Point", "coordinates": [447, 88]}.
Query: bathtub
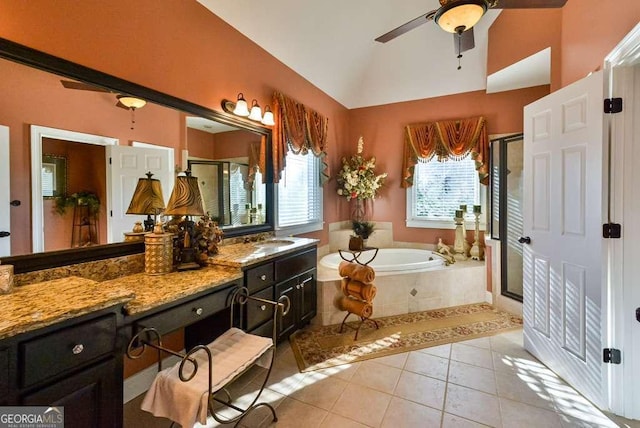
{"type": "Point", "coordinates": [407, 281]}
{"type": "Point", "coordinates": [389, 260]}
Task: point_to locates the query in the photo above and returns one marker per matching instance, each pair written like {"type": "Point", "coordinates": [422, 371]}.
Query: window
{"type": "Point", "coordinates": [299, 195]}
{"type": "Point", "coordinates": [439, 188]}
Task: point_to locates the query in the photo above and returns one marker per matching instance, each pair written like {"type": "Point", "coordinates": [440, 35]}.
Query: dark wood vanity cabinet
{"type": "Point", "coordinates": [76, 363]}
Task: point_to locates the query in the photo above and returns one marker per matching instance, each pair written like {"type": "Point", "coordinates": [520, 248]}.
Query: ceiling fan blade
{"type": "Point", "coordinates": [408, 26]}
{"type": "Point", "coordinates": [71, 84]}
{"type": "Point", "coordinates": [529, 4]}
{"type": "Point", "coordinates": [464, 42]}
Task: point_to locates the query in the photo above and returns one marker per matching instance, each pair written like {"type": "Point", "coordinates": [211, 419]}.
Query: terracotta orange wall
{"type": "Point", "coordinates": [590, 30]}
{"type": "Point", "coordinates": [518, 33]}
{"type": "Point", "coordinates": [86, 171]}
{"type": "Point", "coordinates": [33, 97]}
{"type": "Point", "coordinates": [382, 128]}
{"type": "Point", "coordinates": [183, 50]}
{"type": "Point", "coordinates": [200, 144]}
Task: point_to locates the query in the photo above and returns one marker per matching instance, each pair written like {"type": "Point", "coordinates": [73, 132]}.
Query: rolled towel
{"type": "Point", "coordinates": [359, 290]}
{"type": "Point", "coordinates": [357, 307]}
{"type": "Point", "coordinates": [358, 272]}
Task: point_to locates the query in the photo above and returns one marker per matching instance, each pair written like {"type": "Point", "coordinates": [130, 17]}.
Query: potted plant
{"type": "Point", "coordinates": [362, 230]}
{"type": "Point", "coordinates": [79, 198]}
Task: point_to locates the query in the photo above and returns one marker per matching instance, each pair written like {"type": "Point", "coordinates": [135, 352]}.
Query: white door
{"type": "Point", "coordinates": [564, 307]}
{"type": "Point", "coordinates": [5, 212]}
{"type": "Point", "coordinates": [125, 165]}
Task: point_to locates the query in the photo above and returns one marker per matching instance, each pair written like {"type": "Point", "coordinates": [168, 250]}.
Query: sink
{"type": "Point", "coordinates": [273, 243]}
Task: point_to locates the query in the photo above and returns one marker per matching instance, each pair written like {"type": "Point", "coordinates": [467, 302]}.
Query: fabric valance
{"type": "Point", "coordinates": [300, 129]}
{"type": "Point", "coordinates": [447, 139]}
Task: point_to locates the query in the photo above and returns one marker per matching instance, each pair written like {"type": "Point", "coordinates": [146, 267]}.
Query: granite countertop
{"type": "Point", "coordinates": [246, 254]}
{"type": "Point", "coordinates": [33, 306]}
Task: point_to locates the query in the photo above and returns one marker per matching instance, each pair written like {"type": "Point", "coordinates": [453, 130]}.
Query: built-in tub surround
{"type": "Point", "coordinates": [386, 261]}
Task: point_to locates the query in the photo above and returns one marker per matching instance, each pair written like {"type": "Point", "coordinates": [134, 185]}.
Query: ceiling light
{"type": "Point", "coordinates": [131, 102]}
{"type": "Point", "coordinates": [459, 16]}
{"type": "Point", "coordinates": [256, 112]}
{"type": "Point", "coordinates": [241, 108]}
{"type": "Point", "coordinates": [267, 119]}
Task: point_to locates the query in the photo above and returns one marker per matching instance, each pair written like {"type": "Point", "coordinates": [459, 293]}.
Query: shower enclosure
{"type": "Point", "coordinates": [506, 210]}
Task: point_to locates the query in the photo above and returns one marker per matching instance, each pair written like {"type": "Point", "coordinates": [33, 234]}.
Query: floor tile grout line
{"type": "Point", "coordinates": [446, 387]}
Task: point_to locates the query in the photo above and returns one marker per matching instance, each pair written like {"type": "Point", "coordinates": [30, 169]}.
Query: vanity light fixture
{"type": "Point", "coordinates": [147, 200]}
{"type": "Point", "coordinates": [256, 111]}
{"type": "Point", "coordinates": [241, 108]}
{"type": "Point", "coordinates": [267, 119]}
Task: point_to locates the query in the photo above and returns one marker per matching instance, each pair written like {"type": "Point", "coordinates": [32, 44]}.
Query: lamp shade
{"type": "Point", "coordinates": [241, 108]}
{"type": "Point", "coordinates": [459, 16]}
{"type": "Point", "coordinates": [268, 119]}
{"type": "Point", "coordinates": [256, 112]}
{"type": "Point", "coordinates": [186, 198]}
{"type": "Point", "coordinates": [147, 198]}
{"type": "Point", "coordinates": [131, 102]}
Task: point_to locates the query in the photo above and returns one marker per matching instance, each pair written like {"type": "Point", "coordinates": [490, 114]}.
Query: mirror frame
{"type": "Point", "coordinates": [43, 61]}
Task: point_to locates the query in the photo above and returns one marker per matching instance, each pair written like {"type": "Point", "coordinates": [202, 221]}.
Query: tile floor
{"type": "Point", "coordinates": [490, 381]}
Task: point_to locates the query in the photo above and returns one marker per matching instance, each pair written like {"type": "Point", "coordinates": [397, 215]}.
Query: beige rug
{"type": "Point", "coordinates": [322, 347]}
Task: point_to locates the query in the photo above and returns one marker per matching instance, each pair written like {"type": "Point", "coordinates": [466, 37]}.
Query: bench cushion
{"type": "Point", "coordinates": [186, 402]}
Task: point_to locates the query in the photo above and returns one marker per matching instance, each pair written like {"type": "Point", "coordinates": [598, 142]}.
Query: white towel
{"type": "Point", "coordinates": [186, 402]}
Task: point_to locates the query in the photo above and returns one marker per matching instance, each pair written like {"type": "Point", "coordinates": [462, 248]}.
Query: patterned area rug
{"type": "Point", "coordinates": [322, 347]}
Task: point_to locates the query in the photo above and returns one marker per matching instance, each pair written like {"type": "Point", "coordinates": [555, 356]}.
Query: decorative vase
{"type": "Point", "coordinates": [358, 210]}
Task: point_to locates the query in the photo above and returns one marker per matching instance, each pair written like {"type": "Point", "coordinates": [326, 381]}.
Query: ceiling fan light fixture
{"type": "Point", "coordinates": [131, 102]}
{"type": "Point", "coordinates": [462, 14]}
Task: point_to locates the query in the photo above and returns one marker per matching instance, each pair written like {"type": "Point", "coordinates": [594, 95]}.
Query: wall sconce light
{"type": "Point", "coordinates": [240, 108]}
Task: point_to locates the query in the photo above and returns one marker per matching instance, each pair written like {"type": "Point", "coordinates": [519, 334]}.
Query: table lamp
{"type": "Point", "coordinates": [147, 199]}
{"type": "Point", "coordinates": [186, 200]}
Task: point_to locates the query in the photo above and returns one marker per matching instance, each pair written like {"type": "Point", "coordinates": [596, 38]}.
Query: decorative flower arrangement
{"type": "Point", "coordinates": [78, 198]}
{"type": "Point", "coordinates": [357, 179]}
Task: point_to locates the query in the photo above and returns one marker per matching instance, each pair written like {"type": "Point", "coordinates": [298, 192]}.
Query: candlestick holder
{"type": "Point", "coordinates": [459, 244]}
{"type": "Point", "coordinates": [477, 251]}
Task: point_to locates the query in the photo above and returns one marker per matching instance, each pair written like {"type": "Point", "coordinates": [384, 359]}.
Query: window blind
{"type": "Point", "coordinates": [299, 191]}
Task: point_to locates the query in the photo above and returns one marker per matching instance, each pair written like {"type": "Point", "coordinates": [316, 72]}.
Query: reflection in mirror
{"type": "Point", "coordinates": [226, 161]}
{"type": "Point", "coordinates": [35, 99]}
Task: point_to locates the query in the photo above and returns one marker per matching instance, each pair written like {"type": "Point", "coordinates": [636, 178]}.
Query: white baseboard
{"type": "Point", "coordinates": [140, 382]}
{"type": "Point", "coordinates": [489, 297]}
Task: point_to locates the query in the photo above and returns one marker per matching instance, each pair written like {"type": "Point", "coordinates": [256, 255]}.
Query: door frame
{"type": "Point", "coordinates": [37, 205]}
{"type": "Point", "coordinates": [619, 132]}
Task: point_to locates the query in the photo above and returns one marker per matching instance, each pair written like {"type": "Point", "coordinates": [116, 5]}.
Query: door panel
{"type": "Point", "coordinates": [5, 208]}
{"type": "Point", "coordinates": [563, 212]}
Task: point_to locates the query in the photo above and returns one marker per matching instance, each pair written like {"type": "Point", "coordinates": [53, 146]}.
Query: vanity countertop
{"type": "Point", "coordinates": [246, 254]}
{"type": "Point", "coordinates": [33, 306]}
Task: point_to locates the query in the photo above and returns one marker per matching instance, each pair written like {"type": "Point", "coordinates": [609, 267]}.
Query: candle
{"type": "Point", "coordinates": [463, 208]}
{"type": "Point", "coordinates": [477, 209]}
{"type": "Point", "coordinates": [458, 213]}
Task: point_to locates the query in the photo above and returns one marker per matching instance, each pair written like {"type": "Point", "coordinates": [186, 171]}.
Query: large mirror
{"type": "Point", "coordinates": [65, 129]}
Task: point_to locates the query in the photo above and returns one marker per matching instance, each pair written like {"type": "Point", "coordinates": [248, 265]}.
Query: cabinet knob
{"type": "Point", "coordinates": [263, 307]}
{"type": "Point", "coordinates": [78, 349]}
{"type": "Point", "coordinates": [297, 286]}
{"type": "Point", "coordinates": [198, 311]}
{"type": "Point", "coordinates": [263, 277]}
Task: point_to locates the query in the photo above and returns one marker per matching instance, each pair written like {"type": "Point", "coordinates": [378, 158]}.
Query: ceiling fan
{"type": "Point", "coordinates": [126, 102]}
{"type": "Point", "coordinates": [459, 17]}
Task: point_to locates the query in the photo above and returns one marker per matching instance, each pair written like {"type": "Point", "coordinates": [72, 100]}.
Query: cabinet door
{"type": "Point", "coordinates": [287, 324]}
{"type": "Point", "coordinates": [91, 398]}
{"type": "Point", "coordinates": [307, 297]}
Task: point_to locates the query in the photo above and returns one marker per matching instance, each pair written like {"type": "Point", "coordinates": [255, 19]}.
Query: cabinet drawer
{"type": "Point", "coordinates": [188, 312]}
{"type": "Point", "coordinates": [295, 264]}
{"type": "Point", "coordinates": [258, 312]}
{"type": "Point", "coordinates": [259, 277]}
{"type": "Point", "coordinates": [65, 349]}
{"type": "Point", "coordinates": [265, 330]}
{"type": "Point", "coordinates": [4, 373]}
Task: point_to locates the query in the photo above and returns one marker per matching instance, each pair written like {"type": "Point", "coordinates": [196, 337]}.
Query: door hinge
{"type": "Point", "coordinates": [611, 356]}
{"type": "Point", "coordinates": [612, 105]}
{"type": "Point", "coordinates": [612, 230]}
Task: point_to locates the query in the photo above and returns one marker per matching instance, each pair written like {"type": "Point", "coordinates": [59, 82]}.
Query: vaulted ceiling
{"type": "Point", "coordinates": [331, 44]}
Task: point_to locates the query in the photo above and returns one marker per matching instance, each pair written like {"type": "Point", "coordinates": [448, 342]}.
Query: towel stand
{"type": "Point", "coordinates": [150, 337]}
